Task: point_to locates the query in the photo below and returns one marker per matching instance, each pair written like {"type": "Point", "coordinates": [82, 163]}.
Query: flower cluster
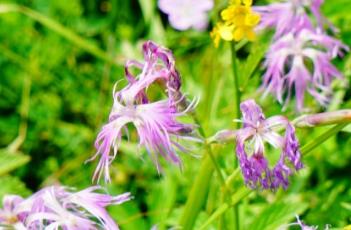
{"type": "Point", "coordinates": [250, 141]}
{"type": "Point", "coordinates": [57, 207]}
{"type": "Point", "coordinates": [156, 122]}
{"type": "Point", "coordinates": [300, 58]}
{"type": "Point", "coordinates": [185, 14]}
{"type": "Point", "coordinates": [239, 22]}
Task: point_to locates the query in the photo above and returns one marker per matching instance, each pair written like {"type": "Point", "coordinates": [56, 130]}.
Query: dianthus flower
{"type": "Point", "coordinates": [185, 14]}
{"type": "Point", "coordinates": [158, 66]}
{"type": "Point", "coordinates": [291, 16]}
{"type": "Point", "coordinates": [250, 141]}
{"type": "Point", "coordinates": [59, 208]}
{"type": "Point", "coordinates": [9, 214]}
{"type": "Point", "coordinates": [302, 63]}
{"type": "Point", "coordinates": [239, 22]}
{"type": "Point", "coordinates": [156, 122]}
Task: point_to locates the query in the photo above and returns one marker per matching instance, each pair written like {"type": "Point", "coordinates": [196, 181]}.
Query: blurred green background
{"type": "Point", "coordinates": [55, 94]}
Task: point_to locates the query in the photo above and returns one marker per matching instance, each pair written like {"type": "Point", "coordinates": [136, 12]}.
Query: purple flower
{"type": "Point", "coordinates": [291, 16]}
{"type": "Point", "coordinates": [156, 123]}
{"type": "Point", "coordinates": [56, 207]}
{"type": "Point", "coordinates": [158, 66]}
{"type": "Point", "coordinates": [9, 214]}
{"type": "Point", "coordinates": [157, 127]}
{"type": "Point", "coordinates": [250, 148]}
{"type": "Point", "coordinates": [302, 62]}
{"type": "Point", "coordinates": [185, 14]}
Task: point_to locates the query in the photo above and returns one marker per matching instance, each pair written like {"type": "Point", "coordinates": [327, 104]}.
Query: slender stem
{"type": "Point", "coordinates": [232, 177]}
{"type": "Point", "coordinates": [235, 199]}
{"type": "Point", "coordinates": [24, 111]}
{"type": "Point", "coordinates": [197, 194]}
{"type": "Point", "coordinates": [301, 122]}
{"type": "Point", "coordinates": [209, 150]}
{"type": "Point", "coordinates": [323, 137]}
{"type": "Point", "coordinates": [237, 98]}
{"type": "Point", "coordinates": [241, 193]}
{"type": "Point", "coordinates": [237, 93]}
{"type": "Point", "coordinates": [199, 190]}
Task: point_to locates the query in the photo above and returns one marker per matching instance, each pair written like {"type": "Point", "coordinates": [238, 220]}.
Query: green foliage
{"type": "Point", "coordinates": [12, 185]}
{"type": "Point", "coordinates": [275, 215]}
{"type": "Point", "coordinates": [10, 161]}
{"type": "Point", "coordinates": [73, 52]}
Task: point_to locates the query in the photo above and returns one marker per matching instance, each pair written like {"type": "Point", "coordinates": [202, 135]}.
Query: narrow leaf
{"type": "Point", "coordinates": [11, 161]}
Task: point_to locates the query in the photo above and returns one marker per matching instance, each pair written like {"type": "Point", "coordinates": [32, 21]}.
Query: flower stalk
{"type": "Point", "coordinates": [243, 192]}
{"type": "Point", "coordinates": [237, 98]}
{"type": "Point", "coordinates": [304, 121]}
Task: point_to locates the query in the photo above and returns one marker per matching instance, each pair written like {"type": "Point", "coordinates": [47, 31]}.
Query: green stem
{"type": "Point", "coordinates": [237, 98]}
{"type": "Point", "coordinates": [197, 194]}
{"type": "Point", "coordinates": [24, 111]}
{"type": "Point", "coordinates": [209, 150]}
{"type": "Point", "coordinates": [61, 30]}
{"type": "Point", "coordinates": [235, 199]}
{"type": "Point", "coordinates": [323, 137]}
{"type": "Point", "coordinates": [196, 197]}
{"type": "Point", "coordinates": [237, 93]}
{"type": "Point", "coordinates": [241, 193]}
{"type": "Point", "coordinates": [199, 190]}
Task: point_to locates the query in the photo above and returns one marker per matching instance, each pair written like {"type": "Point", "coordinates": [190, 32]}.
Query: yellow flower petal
{"type": "Point", "coordinates": [226, 32]}
{"type": "Point", "coordinates": [239, 22]}
{"type": "Point", "coordinates": [252, 19]}
{"type": "Point", "coordinates": [214, 34]}
{"type": "Point", "coordinates": [238, 34]}
{"type": "Point", "coordinates": [247, 2]}
{"type": "Point", "coordinates": [235, 2]}
{"type": "Point", "coordinates": [227, 14]}
{"type": "Point", "coordinates": [250, 34]}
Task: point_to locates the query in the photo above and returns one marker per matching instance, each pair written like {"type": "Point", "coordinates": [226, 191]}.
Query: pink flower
{"type": "Point", "coordinates": [56, 207]}
{"type": "Point", "coordinates": [185, 14]}
{"type": "Point", "coordinates": [250, 141]}
{"type": "Point", "coordinates": [287, 70]}
{"type": "Point", "coordinates": [291, 16]}
{"type": "Point", "coordinates": [156, 123]}
{"type": "Point", "coordinates": [158, 65]}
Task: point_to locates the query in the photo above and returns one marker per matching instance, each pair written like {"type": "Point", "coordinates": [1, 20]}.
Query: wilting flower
{"type": "Point", "coordinates": [250, 148]}
{"type": "Point", "coordinates": [302, 63]}
{"type": "Point", "coordinates": [156, 123]}
{"type": "Point", "coordinates": [158, 66]}
{"type": "Point", "coordinates": [57, 207]}
{"type": "Point", "coordinates": [185, 14]}
{"type": "Point", "coordinates": [239, 22]}
{"type": "Point", "coordinates": [291, 16]}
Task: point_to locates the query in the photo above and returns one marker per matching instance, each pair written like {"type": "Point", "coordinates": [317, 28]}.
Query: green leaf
{"type": "Point", "coordinates": [57, 27]}
{"type": "Point", "coordinates": [347, 129]}
{"type": "Point", "coordinates": [276, 214]}
{"type": "Point", "coordinates": [257, 53]}
{"type": "Point", "coordinates": [11, 161]}
{"type": "Point", "coordinates": [147, 7]}
{"type": "Point", "coordinates": [162, 198]}
{"type": "Point", "coordinates": [12, 185]}
{"type": "Point", "coordinates": [236, 198]}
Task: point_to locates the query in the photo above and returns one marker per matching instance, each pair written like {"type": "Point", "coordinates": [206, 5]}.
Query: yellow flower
{"type": "Point", "coordinates": [239, 22]}
{"type": "Point", "coordinates": [222, 31]}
